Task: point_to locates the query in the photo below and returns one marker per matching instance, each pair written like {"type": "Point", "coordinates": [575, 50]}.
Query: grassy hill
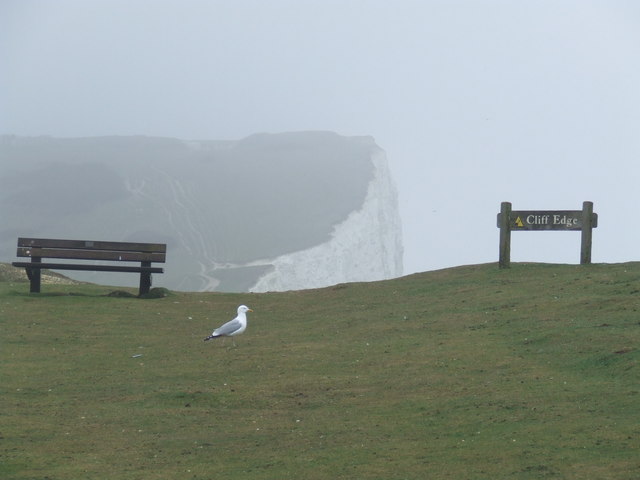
{"type": "Point", "coordinates": [465, 373]}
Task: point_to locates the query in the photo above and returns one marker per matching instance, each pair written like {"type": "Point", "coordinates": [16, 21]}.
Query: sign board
{"type": "Point", "coordinates": [547, 220]}
{"type": "Point", "coordinates": [527, 220]}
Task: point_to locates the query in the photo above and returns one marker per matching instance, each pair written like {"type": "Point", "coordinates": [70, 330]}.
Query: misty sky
{"type": "Point", "coordinates": [536, 102]}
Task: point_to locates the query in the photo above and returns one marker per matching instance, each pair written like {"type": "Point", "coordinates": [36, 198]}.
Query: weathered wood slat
{"type": "Point", "coordinates": [85, 267]}
{"type": "Point", "coordinates": [92, 245]}
{"type": "Point", "coordinates": [77, 254]}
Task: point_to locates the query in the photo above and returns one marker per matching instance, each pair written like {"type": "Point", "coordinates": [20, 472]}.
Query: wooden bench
{"type": "Point", "coordinates": [39, 248]}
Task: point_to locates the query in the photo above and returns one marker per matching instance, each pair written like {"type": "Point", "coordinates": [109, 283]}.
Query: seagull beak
{"type": "Point", "coordinates": [249, 310]}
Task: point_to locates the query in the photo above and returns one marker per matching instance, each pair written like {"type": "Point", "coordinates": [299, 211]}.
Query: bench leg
{"type": "Point", "coordinates": [34, 275]}
{"type": "Point", "coordinates": [145, 280]}
{"type": "Point", "coordinates": [34, 278]}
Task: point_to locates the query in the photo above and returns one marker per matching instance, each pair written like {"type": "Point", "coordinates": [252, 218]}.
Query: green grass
{"type": "Point", "coordinates": [465, 373]}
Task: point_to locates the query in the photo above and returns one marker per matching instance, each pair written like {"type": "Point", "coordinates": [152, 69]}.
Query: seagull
{"type": "Point", "coordinates": [233, 327]}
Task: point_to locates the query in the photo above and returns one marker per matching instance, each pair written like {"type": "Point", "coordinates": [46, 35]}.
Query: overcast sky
{"type": "Point", "coordinates": [536, 102]}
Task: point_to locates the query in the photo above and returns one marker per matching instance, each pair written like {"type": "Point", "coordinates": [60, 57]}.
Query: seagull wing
{"type": "Point", "coordinates": [228, 328]}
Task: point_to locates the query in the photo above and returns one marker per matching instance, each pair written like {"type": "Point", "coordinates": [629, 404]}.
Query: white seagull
{"type": "Point", "coordinates": [233, 327]}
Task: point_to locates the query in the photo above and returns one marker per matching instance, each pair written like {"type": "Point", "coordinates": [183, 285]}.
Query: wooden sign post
{"type": "Point", "coordinates": [515, 220]}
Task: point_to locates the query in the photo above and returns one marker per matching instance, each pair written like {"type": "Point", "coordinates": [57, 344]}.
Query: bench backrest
{"type": "Point", "coordinates": [92, 250]}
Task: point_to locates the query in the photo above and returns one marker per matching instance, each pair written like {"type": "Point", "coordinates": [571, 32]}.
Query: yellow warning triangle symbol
{"type": "Point", "coordinates": [519, 222]}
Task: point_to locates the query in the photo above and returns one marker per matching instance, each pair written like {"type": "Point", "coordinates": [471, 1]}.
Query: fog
{"type": "Point", "coordinates": [474, 101]}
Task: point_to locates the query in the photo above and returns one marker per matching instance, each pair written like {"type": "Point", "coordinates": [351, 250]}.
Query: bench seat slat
{"type": "Point", "coordinates": [85, 267]}
{"type": "Point", "coordinates": [123, 256]}
{"type": "Point", "coordinates": [92, 245]}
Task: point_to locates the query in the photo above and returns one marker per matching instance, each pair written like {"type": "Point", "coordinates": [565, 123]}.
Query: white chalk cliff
{"type": "Point", "coordinates": [367, 246]}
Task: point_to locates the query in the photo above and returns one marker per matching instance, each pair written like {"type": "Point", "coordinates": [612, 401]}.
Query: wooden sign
{"type": "Point", "coordinates": [526, 220]}
{"type": "Point", "coordinates": [547, 220]}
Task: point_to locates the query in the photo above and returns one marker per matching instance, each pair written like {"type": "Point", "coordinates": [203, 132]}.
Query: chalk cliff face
{"type": "Point", "coordinates": [366, 246]}
{"type": "Point", "coordinates": [269, 212]}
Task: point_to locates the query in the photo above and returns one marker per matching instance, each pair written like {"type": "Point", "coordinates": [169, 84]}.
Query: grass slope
{"type": "Point", "coordinates": [465, 373]}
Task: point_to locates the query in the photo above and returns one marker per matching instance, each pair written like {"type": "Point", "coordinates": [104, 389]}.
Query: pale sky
{"type": "Point", "coordinates": [536, 102]}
